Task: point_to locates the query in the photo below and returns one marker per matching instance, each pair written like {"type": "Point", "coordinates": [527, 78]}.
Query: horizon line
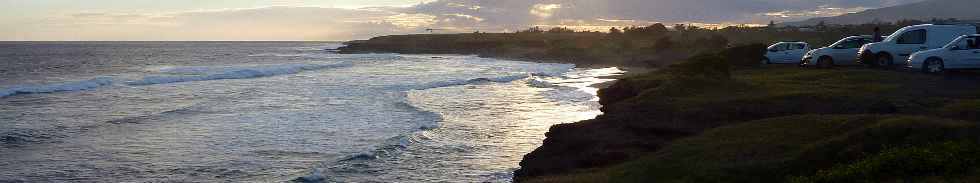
{"type": "Point", "coordinates": [172, 41]}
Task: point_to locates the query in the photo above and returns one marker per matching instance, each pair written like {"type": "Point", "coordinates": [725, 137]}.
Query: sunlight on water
{"type": "Point", "coordinates": [583, 80]}
{"type": "Point", "coordinates": [485, 130]}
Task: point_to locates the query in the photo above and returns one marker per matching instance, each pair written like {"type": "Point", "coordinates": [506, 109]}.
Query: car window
{"type": "Point", "coordinates": [913, 37]}
{"type": "Point", "coordinates": [866, 41]}
{"type": "Point", "coordinates": [779, 47]}
{"type": "Point", "coordinates": [969, 43]}
{"type": "Point", "coordinates": [795, 46]}
{"type": "Point", "coordinates": [852, 43]}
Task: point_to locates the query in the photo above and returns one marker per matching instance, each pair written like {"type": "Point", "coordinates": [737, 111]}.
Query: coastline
{"type": "Point", "coordinates": [629, 71]}
{"type": "Point", "coordinates": [722, 117]}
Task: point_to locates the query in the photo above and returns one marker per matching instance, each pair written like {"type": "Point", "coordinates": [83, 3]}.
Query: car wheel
{"type": "Point", "coordinates": [934, 66]}
{"type": "Point", "coordinates": [825, 62]}
{"type": "Point", "coordinates": [884, 60]}
{"type": "Point", "coordinates": [765, 61]}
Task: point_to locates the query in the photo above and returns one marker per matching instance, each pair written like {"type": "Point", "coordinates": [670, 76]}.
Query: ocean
{"type": "Point", "coordinates": [274, 112]}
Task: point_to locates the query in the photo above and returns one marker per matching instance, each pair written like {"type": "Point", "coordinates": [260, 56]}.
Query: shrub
{"type": "Point", "coordinates": [706, 67]}
{"type": "Point", "coordinates": [745, 55]}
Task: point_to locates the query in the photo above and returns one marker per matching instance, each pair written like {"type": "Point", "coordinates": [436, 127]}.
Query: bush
{"type": "Point", "coordinates": [746, 55]}
{"type": "Point", "coordinates": [701, 71]}
{"type": "Point", "coordinates": [703, 67]}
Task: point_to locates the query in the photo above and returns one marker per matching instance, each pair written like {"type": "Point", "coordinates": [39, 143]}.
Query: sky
{"type": "Point", "coordinates": [339, 20]}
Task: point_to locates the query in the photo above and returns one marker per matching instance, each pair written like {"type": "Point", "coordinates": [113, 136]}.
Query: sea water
{"type": "Point", "coordinates": [274, 112]}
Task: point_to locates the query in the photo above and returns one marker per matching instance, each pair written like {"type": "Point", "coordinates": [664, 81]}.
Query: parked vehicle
{"type": "Point", "coordinates": [785, 53]}
{"type": "Point", "coordinates": [901, 44]}
{"type": "Point", "coordinates": [840, 53]}
{"type": "Point", "coordinates": [962, 53]}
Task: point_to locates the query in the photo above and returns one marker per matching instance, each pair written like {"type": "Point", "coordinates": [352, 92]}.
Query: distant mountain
{"type": "Point", "coordinates": [926, 10]}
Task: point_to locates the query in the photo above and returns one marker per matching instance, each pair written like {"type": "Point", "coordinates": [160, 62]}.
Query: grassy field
{"type": "Point", "coordinates": [705, 120]}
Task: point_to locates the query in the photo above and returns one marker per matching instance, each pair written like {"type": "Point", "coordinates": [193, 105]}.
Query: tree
{"type": "Point", "coordinates": [629, 29]}
{"type": "Point", "coordinates": [560, 30]}
{"type": "Point", "coordinates": [657, 28]}
{"type": "Point", "coordinates": [680, 27]}
{"type": "Point", "coordinates": [534, 29]}
{"type": "Point", "coordinates": [615, 31]}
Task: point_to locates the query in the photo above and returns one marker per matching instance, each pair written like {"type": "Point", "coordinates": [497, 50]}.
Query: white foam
{"type": "Point", "coordinates": [314, 176]}
{"type": "Point", "coordinates": [537, 83]}
{"type": "Point", "coordinates": [457, 82]}
{"type": "Point", "coordinates": [188, 74]}
{"type": "Point", "coordinates": [58, 87]}
{"type": "Point", "coordinates": [550, 69]}
{"type": "Point", "coordinates": [325, 46]}
{"type": "Point", "coordinates": [545, 70]}
{"type": "Point", "coordinates": [280, 55]}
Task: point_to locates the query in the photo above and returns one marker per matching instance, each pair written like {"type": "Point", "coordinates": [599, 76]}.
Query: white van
{"type": "Point", "coordinates": [840, 53]}
{"type": "Point", "coordinates": [962, 53]}
{"type": "Point", "coordinates": [785, 53]}
{"type": "Point", "coordinates": [901, 44]}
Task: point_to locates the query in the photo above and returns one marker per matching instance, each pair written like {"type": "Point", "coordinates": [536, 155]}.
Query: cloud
{"type": "Point", "coordinates": [518, 14]}
{"type": "Point", "coordinates": [317, 23]}
{"type": "Point", "coordinates": [269, 23]}
{"type": "Point", "coordinates": [544, 10]}
{"type": "Point", "coordinates": [819, 12]}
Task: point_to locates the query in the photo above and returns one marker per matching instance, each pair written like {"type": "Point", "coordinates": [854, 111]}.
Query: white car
{"type": "Point", "coordinates": [901, 44]}
{"type": "Point", "coordinates": [785, 53]}
{"type": "Point", "coordinates": [962, 53]}
{"type": "Point", "coordinates": [840, 53]}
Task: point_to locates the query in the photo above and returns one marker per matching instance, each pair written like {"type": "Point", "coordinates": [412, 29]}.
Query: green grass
{"type": "Point", "coordinates": [966, 109]}
{"type": "Point", "coordinates": [828, 147]}
{"type": "Point", "coordinates": [934, 162]}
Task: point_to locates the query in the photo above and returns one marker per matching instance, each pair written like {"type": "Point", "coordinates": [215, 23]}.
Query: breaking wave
{"type": "Point", "coordinates": [58, 87]}
{"type": "Point", "coordinates": [189, 74]}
